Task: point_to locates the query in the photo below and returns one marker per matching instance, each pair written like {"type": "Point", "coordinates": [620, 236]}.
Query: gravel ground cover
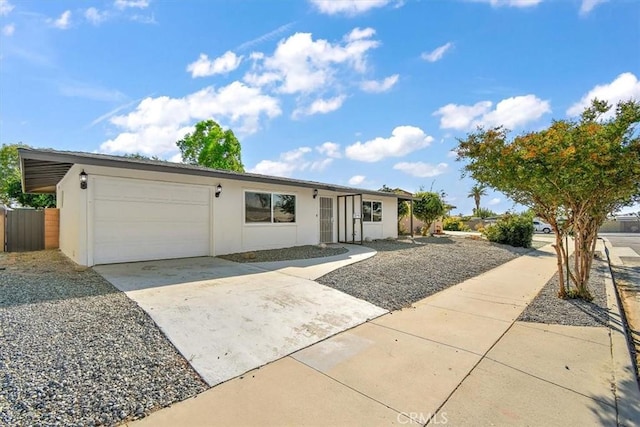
{"type": "Point", "coordinates": [548, 308]}
{"type": "Point", "coordinates": [402, 272]}
{"type": "Point", "coordinates": [74, 351]}
{"type": "Point", "coordinates": [286, 254]}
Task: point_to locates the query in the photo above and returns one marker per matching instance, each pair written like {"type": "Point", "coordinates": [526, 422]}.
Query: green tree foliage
{"type": "Point", "coordinates": [454, 223]}
{"type": "Point", "coordinates": [514, 230]}
{"type": "Point", "coordinates": [138, 156]}
{"type": "Point", "coordinates": [580, 170]}
{"type": "Point", "coordinates": [427, 208]}
{"type": "Point", "coordinates": [11, 181]}
{"type": "Point", "coordinates": [477, 191]}
{"type": "Point", "coordinates": [211, 146]}
{"type": "Point", "coordinates": [483, 213]}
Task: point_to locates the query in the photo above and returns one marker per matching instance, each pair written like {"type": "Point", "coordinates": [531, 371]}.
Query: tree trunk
{"type": "Point", "coordinates": [560, 255]}
{"type": "Point", "coordinates": [585, 235]}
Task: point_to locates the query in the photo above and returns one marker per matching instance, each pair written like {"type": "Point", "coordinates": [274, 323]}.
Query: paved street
{"type": "Point", "coordinates": [624, 240]}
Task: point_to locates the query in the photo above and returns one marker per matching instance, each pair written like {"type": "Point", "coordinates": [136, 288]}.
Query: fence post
{"type": "Point", "coordinates": [2, 228]}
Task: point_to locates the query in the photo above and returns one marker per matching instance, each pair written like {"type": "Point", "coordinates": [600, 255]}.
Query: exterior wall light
{"type": "Point", "coordinates": [83, 179]}
{"type": "Point", "coordinates": [218, 190]}
{"type": "Point", "coordinates": [315, 193]}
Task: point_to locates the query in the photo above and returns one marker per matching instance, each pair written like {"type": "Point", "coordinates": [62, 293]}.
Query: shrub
{"type": "Point", "coordinates": [454, 223]}
{"type": "Point", "coordinates": [514, 230]}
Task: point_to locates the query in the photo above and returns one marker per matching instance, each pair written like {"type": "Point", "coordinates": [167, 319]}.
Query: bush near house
{"type": "Point", "coordinates": [454, 223]}
{"type": "Point", "coordinates": [514, 230]}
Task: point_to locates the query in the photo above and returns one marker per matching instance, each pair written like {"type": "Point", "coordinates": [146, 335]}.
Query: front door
{"type": "Point", "coordinates": [326, 220]}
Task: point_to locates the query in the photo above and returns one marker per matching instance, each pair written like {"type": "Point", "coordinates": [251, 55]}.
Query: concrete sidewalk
{"type": "Point", "coordinates": [456, 358]}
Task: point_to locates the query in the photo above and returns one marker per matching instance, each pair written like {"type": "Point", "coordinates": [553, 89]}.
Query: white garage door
{"type": "Point", "coordinates": [137, 220]}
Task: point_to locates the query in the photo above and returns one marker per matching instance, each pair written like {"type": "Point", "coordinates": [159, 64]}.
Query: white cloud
{"type": "Point", "coordinates": [494, 201]}
{"type": "Point", "coordinates": [157, 123]}
{"type": "Point", "coordinates": [452, 154]}
{"type": "Point", "coordinates": [330, 149]}
{"type": "Point", "coordinates": [149, 140]}
{"type": "Point", "coordinates": [375, 86]}
{"type": "Point", "coordinates": [126, 4]}
{"type": "Point", "coordinates": [516, 111]}
{"type": "Point", "coordinates": [510, 112]}
{"type": "Point", "coordinates": [300, 64]}
{"type": "Point", "coordinates": [8, 30]}
{"type": "Point", "coordinates": [347, 7]}
{"type": "Point", "coordinates": [360, 34]}
{"type": "Point", "coordinates": [624, 87]}
{"type": "Point", "coordinates": [461, 116]}
{"type": "Point", "coordinates": [421, 169]}
{"type": "Point", "coordinates": [5, 7]}
{"type": "Point", "coordinates": [320, 165]}
{"type": "Point", "coordinates": [204, 67]}
{"type": "Point", "coordinates": [437, 53]}
{"type": "Point", "coordinates": [289, 162]}
{"type": "Point", "coordinates": [144, 19]}
{"type": "Point", "coordinates": [588, 5]}
{"type": "Point", "coordinates": [64, 21]}
{"type": "Point", "coordinates": [320, 106]}
{"type": "Point", "coordinates": [510, 3]}
{"type": "Point", "coordinates": [357, 179]}
{"type": "Point", "coordinates": [94, 16]}
{"type": "Point", "coordinates": [403, 140]}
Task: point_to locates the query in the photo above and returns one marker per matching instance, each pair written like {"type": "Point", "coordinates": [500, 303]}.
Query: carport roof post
{"type": "Point", "coordinates": [42, 169]}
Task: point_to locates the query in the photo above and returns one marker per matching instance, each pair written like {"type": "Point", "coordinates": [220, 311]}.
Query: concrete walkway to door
{"type": "Point", "coordinates": [227, 318]}
{"type": "Point", "coordinates": [456, 358]}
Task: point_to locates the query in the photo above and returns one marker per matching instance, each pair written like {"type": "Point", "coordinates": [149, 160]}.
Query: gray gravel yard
{"type": "Point", "coordinates": [548, 308]}
{"type": "Point", "coordinates": [285, 254]}
{"type": "Point", "coordinates": [76, 351]}
{"type": "Point", "coordinates": [402, 273]}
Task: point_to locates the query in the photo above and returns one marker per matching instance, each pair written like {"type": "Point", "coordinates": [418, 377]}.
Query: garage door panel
{"type": "Point", "coordinates": [136, 220]}
{"type": "Point", "coordinates": [137, 190]}
{"type": "Point", "coordinates": [109, 211]}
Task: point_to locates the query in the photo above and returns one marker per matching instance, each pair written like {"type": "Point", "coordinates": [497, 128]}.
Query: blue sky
{"type": "Point", "coordinates": [350, 92]}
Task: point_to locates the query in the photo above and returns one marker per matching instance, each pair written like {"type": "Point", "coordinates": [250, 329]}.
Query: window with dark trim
{"type": "Point", "coordinates": [269, 207]}
{"type": "Point", "coordinates": [371, 211]}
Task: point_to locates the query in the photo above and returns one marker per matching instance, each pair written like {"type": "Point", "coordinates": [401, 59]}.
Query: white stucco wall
{"type": "Point", "coordinates": [388, 226]}
{"type": "Point", "coordinates": [370, 230]}
{"type": "Point", "coordinates": [71, 201]}
{"type": "Point", "coordinates": [230, 232]}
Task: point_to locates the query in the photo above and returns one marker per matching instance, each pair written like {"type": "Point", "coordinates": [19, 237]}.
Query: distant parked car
{"type": "Point", "coordinates": [538, 225]}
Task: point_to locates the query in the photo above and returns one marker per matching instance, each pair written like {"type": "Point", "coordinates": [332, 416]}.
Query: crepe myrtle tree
{"type": "Point", "coordinates": [427, 207]}
{"type": "Point", "coordinates": [211, 146]}
{"type": "Point", "coordinates": [581, 170]}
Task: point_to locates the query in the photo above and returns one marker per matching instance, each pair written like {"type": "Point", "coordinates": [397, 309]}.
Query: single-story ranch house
{"type": "Point", "coordinates": [117, 209]}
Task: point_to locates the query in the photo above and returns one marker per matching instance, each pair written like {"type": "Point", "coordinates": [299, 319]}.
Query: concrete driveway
{"type": "Point", "coordinates": [228, 318]}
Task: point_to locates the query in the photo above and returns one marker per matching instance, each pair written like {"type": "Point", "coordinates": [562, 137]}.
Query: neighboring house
{"type": "Point", "coordinates": [134, 210]}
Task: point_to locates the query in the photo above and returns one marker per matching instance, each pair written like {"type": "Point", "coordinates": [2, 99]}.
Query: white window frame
{"type": "Point", "coordinates": [271, 194]}
{"type": "Point", "coordinates": [371, 221]}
